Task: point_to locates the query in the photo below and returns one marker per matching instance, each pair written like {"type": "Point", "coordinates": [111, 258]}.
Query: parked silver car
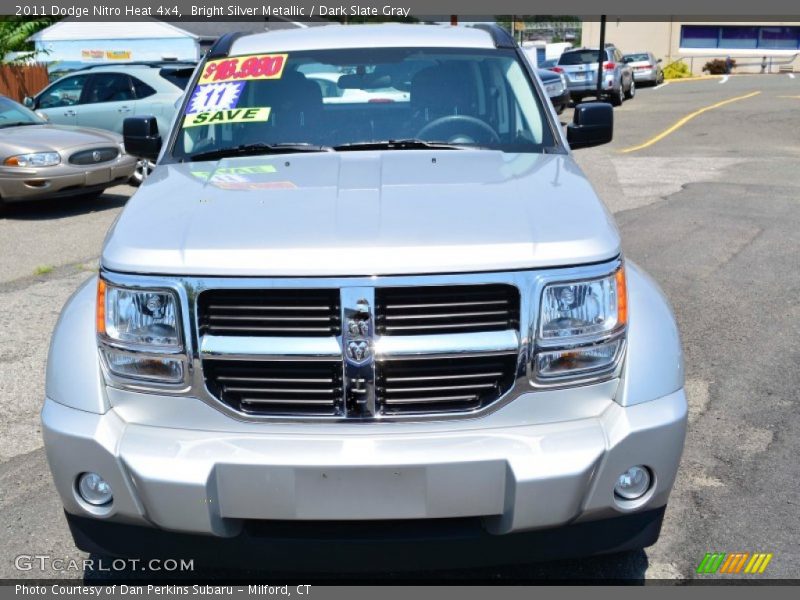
{"type": "Point", "coordinates": [646, 67]}
{"type": "Point", "coordinates": [580, 66]}
{"type": "Point", "coordinates": [104, 95]}
{"type": "Point", "coordinates": [40, 160]}
{"type": "Point", "coordinates": [386, 331]}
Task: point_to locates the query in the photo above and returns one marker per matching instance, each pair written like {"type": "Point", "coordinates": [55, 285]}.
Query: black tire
{"type": "Point", "coordinates": [143, 170]}
{"type": "Point", "coordinates": [617, 96]}
{"type": "Point", "coordinates": [631, 91]}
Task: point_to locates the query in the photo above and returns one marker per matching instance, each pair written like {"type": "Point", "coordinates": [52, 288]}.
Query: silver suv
{"type": "Point", "coordinates": [580, 66]}
{"type": "Point", "coordinates": [367, 330]}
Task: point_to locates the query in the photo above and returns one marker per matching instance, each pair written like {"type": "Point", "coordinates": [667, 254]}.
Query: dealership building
{"type": "Point", "coordinates": [696, 43]}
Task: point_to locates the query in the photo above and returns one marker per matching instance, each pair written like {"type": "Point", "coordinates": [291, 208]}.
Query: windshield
{"type": "Point", "coordinates": [343, 99]}
{"type": "Point", "coordinates": [636, 57]}
{"type": "Point", "coordinates": [12, 114]}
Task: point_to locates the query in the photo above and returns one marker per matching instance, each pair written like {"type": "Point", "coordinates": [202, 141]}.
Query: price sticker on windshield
{"type": "Point", "coordinates": [244, 68]}
{"type": "Point", "coordinates": [215, 96]}
{"type": "Point", "coordinates": [219, 117]}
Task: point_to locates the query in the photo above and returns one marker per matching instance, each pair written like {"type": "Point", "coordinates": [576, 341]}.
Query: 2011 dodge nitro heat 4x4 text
{"type": "Point", "coordinates": [367, 298]}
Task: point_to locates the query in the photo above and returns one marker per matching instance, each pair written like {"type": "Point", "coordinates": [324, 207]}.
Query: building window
{"type": "Point", "coordinates": [740, 37]}
{"type": "Point", "coordinates": [780, 38]}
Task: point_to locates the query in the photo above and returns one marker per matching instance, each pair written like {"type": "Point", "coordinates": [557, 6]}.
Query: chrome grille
{"type": "Point", "coordinates": [443, 385]}
{"type": "Point", "coordinates": [446, 309]}
{"type": "Point", "coordinates": [278, 313]}
{"type": "Point", "coordinates": [277, 387]}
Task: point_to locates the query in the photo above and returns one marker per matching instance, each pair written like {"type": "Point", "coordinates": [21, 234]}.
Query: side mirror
{"type": "Point", "coordinates": [141, 137]}
{"type": "Point", "coordinates": [660, 60]}
{"type": "Point", "coordinates": [592, 125]}
{"type": "Point", "coordinates": [28, 101]}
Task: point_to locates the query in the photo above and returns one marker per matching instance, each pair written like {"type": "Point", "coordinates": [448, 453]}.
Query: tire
{"type": "Point", "coordinates": [143, 169]}
{"type": "Point", "coordinates": [618, 96]}
{"type": "Point", "coordinates": [631, 91]}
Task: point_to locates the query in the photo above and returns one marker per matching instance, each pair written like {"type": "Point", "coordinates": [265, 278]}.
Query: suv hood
{"type": "Point", "coordinates": [362, 213]}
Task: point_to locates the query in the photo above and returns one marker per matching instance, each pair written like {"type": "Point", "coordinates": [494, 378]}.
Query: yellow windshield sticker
{"type": "Point", "coordinates": [235, 115]}
{"type": "Point", "coordinates": [244, 68]}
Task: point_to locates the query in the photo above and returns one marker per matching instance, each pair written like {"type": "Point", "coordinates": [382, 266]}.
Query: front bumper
{"type": "Point", "coordinates": [63, 180]}
{"type": "Point", "coordinates": [510, 479]}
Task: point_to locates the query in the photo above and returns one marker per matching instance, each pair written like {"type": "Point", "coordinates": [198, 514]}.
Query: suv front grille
{"type": "Point", "coordinates": [269, 313]}
{"type": "Point", "coordinates": [446, 309]}
{"type": "Point", "coordinates": [360, 352]}
{"type": "Point", "coordinates": [443, 385]}
{"type": "Point", "coordinates": [277, 388]}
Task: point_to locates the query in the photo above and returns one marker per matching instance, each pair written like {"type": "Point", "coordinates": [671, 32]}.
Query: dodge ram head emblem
{"type": "Point", "coordinates": [358, 332]}
{"type": "Point", "coordinates": [358, 317]}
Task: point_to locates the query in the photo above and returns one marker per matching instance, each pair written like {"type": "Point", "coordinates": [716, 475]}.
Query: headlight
{"type": "Point", "coordinates": [581, 329]}
{"type": "Point", "coordinates": [139, 333]}
{"type": "Point", "coordinates": [34, 159]}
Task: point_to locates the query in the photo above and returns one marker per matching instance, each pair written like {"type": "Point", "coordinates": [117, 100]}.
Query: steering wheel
{"type": "Point", "coordinates": [451, 128]}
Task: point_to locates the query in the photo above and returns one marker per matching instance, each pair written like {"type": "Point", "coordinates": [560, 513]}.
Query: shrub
{"type": "Point", "coordinates": [677, 70]}
{"type": "Point", "coordinates": [718, 66]}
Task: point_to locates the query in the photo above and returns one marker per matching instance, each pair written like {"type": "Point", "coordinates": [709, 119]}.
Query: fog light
{"type": "Point", "coordinates": [633, 483]}
{"type": "Point", "coordinates": [94, 489]}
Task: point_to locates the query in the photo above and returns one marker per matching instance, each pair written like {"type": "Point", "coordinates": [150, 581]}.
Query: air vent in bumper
{"type": "Point", "coordinates": [443, 385]}
{"type": "Point", "coordinates": [446, 309]}
{"type": "Point", "coordinates": [277, 388]}
{"type": "Point", "coordinates": [269, 312]}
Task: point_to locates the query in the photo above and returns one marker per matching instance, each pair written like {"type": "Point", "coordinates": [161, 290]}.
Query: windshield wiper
{"type": "Point", "coordinates": [406, 144]}
{"type": "Point", "coordinates": [258, 148]}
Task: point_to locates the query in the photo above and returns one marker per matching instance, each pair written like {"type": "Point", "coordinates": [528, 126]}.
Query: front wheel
{"type": "Point", "coordinates": [631, 91]}
{"type": "Point", "coordinates": [143, 168]}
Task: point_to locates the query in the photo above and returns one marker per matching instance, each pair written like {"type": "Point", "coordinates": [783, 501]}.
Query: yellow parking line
{"type": "Point", "coordinates": [685, 120]}
{"type": "Point", "coordinates": [796, 97]}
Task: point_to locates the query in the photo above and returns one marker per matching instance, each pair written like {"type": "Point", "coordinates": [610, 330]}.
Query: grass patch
{"type": "Point", "coordinates": [43, 270]}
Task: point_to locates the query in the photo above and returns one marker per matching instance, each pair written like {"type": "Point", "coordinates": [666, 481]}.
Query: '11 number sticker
{"type": "Point", "coordinates": [215, 96]}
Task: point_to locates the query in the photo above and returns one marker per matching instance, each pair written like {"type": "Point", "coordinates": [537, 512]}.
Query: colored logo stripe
{"type": "Point", "coordinates": [758, 563]}
{"type": "Point", "coordinates": [721, 562]}
{"type": "Point", "coordinates": [711, 562]}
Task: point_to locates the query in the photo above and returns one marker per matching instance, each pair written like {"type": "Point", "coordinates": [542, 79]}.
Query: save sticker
{"type": "Point", "coordinates": [244, 68]}
{"type": "Point", "coordinates": [236, 115]}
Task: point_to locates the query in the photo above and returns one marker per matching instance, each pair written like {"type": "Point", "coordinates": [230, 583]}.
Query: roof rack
{"type": "Point", "coordinates": [500, 36]}
{"type": "Point", "coordinates": [222, 46]}
{"type": "Point", "coordinates": [159, 64]}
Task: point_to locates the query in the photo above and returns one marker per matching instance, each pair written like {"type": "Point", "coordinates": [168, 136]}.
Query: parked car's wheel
{"type": "Point", "coordinates": [618, 96]}
{"type": "Point", "coordinates": [143, 169]}
{"type": "Point", "coordinates": [660, 78]}
{"type": "Point", "coordinates": [631, 91]}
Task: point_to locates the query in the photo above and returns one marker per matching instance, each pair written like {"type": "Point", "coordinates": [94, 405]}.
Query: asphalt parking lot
{"type": "Point", "coordinates": [711, 210]}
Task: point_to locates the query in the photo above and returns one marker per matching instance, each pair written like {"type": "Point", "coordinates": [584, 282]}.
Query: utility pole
{"type": "Point", "coordinates": [601, 56]}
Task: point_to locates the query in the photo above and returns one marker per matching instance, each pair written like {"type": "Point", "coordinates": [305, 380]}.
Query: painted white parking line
{"type": "Point", "coordinates": [724, 79]}
{"type": "Point", "coordinates": [660, 85]}
{"type": "Point", "coordinates": [791, 75]}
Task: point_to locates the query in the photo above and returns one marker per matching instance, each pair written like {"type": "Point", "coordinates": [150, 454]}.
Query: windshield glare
{"type": "Point", "coordinates": [334, 98]}
{"type": "Point", "coordinates": [12, 113]}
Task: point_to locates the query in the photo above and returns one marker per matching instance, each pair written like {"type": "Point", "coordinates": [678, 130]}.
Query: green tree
{"type": "Point", "coordinates": [14, 34]}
